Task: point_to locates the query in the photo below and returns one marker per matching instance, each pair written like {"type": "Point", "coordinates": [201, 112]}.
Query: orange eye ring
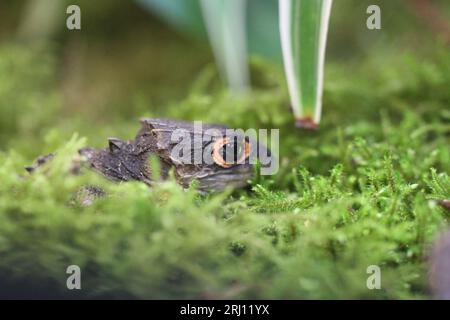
{"type": "Point", "coordinates": [220, 161]}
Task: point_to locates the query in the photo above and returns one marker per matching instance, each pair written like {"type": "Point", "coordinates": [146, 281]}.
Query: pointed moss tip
{"type": "Point", "coordinates": [306, 123]}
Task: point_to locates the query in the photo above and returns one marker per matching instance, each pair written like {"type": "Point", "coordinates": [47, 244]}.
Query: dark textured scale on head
{"type": "Point", "coordinates": [129, 160]}
{"type": "Point", "coordinates": [209, 176]}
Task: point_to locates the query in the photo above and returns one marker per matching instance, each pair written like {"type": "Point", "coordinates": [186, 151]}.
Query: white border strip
{"type": "Point", "coordinates": [324, 22]}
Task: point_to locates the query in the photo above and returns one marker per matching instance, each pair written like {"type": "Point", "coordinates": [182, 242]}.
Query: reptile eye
{"type": "Point", "coordinates": [225, 150]}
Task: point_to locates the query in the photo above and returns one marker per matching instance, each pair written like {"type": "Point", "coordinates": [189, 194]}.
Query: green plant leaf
{"type": "Point", "coordinates": [226, 26]}
{"type": "Point", "coordinates": [303, 31]}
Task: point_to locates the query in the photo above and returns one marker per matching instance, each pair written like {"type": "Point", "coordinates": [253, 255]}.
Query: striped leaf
{"type": "Point", "coordinates": [303, 31]}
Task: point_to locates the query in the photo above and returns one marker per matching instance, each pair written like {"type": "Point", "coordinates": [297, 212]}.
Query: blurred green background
{"type": "Point", "coordinates": [360, 190]}
{"type": "Point", "coordinates": [129, 61]}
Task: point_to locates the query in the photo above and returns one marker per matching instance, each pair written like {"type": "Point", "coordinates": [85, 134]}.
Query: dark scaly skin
{"type": "Point", "coordinates": [40, 161]}
{"type": "Point", "coordinates": [129, 160]}
{"type": "Point", "coordinates": [121, 161]}
{"type": "Point", "coordinates": [209, 176]}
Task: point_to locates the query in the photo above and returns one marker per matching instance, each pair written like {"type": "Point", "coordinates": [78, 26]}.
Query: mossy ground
{"type": "Point", "coordinates": [362, 190]}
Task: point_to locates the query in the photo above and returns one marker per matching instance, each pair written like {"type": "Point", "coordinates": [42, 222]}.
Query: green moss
{"type": "Point", "coordinates": [360, 191]}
